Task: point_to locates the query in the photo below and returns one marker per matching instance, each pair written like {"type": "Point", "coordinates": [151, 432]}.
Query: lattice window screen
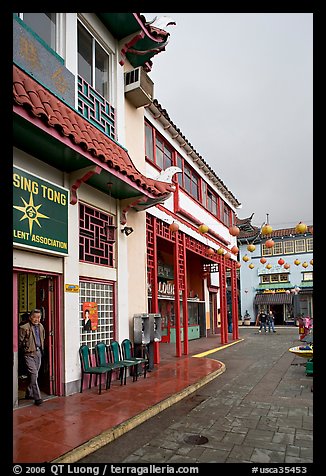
{"type": "Point", "coordinates": [103, 295]}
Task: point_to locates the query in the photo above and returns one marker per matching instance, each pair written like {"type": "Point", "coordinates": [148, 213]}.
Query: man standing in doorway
{"type": "Point", "coordinates": [31, 342]}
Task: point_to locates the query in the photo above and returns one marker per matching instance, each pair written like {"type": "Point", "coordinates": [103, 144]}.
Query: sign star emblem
{"type": "Point", "coordinates": [31, 212]}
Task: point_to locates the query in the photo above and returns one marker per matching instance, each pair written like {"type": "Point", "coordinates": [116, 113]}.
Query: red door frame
{"type": "Point", "coordinates": [56, 325]}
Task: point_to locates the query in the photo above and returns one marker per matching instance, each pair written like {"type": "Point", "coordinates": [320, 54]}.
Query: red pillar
{"type": "Point", "coordinates": [155, 290]}
{"type": "Point", "coordinates": [234, 294]}
{"type": "Point", "coordinates": [177, 297]}
{"type": "Point", "coordinates": [184, 298]}
{"type": "Point", "coordinates": [223, 303]}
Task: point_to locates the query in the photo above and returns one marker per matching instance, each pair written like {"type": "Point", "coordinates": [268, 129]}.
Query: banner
{"type": "Point", "coordinates": [40, 213]}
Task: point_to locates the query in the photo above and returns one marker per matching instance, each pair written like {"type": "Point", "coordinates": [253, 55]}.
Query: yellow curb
{"type": "Point", "coordinates": [203, 354]}
{"type": "Point", "coordinates": [113, 433]}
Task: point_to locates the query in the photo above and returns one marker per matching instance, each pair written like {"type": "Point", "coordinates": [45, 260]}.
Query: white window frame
{"type": "Point", "coordinates": [107, 43]}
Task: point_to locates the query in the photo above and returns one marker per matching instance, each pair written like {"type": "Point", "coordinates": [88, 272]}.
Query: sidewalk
{"type": "Point", "coordinates": [66, 429]}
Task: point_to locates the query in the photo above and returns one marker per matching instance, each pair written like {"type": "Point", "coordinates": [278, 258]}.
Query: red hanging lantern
{"type": "Point", "coordinates": [210, 251]}
{"type": "Point", "coordinates": [238, 264]}
{"type": "Point", "coordinates": [227, 255]}
{"type": "Point", "coordinates": [234, 230]}
{"type": "Point", "coordinates": [174, 227]}
{"type": "Point", "coordinates": [263, 260]}
{"type": "Point", "coordinates": [286, 266]}
{"type": "Point", "coordinates": [281, 261]}
{"type": "Point", "coordinates": [269, 243]}
{"type": "Point", "coordinates": [234, 250]}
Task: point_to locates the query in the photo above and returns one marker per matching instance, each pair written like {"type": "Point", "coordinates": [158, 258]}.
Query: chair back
{"type": "Point", "coordinates": [126, 349]}
{"type": "Point", "coordinates": [84, 355]}
{"type": "Point", "coordinates": [101, 354]}
{"type": "Point", "coordinates": [115, 351]}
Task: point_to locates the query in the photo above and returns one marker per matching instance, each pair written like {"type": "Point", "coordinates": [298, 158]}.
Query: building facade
{"type": "Point", "coordinates": [277, 277]}
{"type": "Point", "coordinates": [187, 267]}
{"type": "Point", "coordinates": [95, 190]}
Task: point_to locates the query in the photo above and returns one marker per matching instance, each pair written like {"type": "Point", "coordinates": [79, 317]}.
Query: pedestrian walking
{"type": "Point", "coordinates": [262, 320]}
{"type": "Point", "coordinates": [31, 342]}
{"type": "Point", "coordinates": [229, 321]}
{"type": "Point", "coordinates": [270, 321]}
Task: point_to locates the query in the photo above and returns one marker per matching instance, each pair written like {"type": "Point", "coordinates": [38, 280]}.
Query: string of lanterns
{"type": "Point", "coordinates": [266, 229]}
{"type": "Point", "coordinates": [234, 230]}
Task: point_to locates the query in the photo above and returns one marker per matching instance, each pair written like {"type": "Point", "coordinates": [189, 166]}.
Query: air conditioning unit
{"type": "Point", "coordinates": [139, 88]}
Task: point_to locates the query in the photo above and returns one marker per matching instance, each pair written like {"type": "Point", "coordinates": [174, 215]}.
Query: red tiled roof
{"type": "Point", "coordinates": [244, 221]}
{"type": "Point", "coordinates": [39, 102]}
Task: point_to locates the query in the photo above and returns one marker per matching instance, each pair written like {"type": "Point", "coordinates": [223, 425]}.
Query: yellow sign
{"type": "Point", "coordinates": [72, 288]}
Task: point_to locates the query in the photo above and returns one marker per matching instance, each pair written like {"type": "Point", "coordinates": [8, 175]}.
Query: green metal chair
{"type": "Point", "coordinates": [128, 353]}
{"type": "Point", "coordinates": [103, 360]}
{"type": "Point", "coordinates": [117, 358]}
{"type": "Point", "coordinates": [88, 369]}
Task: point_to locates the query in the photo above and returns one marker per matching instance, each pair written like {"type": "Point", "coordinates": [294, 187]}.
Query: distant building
{"type": "Point", "coordinates": [282, 283]}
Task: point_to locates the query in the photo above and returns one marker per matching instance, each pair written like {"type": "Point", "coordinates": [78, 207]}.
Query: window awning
{"type": "Point", "coordinates": [270, 298]}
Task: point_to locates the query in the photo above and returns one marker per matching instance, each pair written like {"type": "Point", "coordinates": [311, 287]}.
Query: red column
{"type": "Point", "coordinates": [184, 298]}
{"type": "Point", "coordinates": [234, 294]}
{"type": "Point", "coordinates": [177, 297]}
{"type": "Point", "coordinates": [155, 290]}
{"type": "Point", "coordinates": [223, 303]}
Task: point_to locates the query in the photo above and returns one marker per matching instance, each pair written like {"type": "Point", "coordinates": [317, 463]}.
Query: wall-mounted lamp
{"type": "Point", "coordinates": [127, 230]}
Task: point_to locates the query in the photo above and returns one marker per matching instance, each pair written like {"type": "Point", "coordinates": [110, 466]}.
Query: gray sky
{"type": "Point", "coordinates": [239, 86]}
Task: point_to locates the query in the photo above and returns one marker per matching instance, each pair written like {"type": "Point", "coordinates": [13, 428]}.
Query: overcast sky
{"type": "Point", "coordinates": [239, 86]}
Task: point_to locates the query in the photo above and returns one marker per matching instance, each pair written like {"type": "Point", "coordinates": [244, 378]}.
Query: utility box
{"type": "Point", "coordinates": [147, 330]}
{"type": "Point", "coordinates": [143, 329]}
{"type": "Point", "coordinates": [139, 88]}
{"type": "Point", "coordinates": [157, 326]}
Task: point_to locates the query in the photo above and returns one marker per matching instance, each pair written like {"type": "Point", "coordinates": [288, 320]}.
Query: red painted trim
{"type": "Point", "coordinates": [58, 324]}
{"type": "Point", "coordinates": [65, 140]}
{"type": "Point", "coordinates": [184, 299]}
{"type": "Point", "coordinates": [223, 304]}
{"type": "Point", "coordinates": [176, 197]}
{"type": "Point", "coordinates": [155, 288]}
{"type": "Point", "coordinates": [234, 292]}
{"type": "Point", "coordinates": [181, 220]}
{"type": "Point", "coordinates": [58, 336]}
{"type": "Point", "coordinates": [198, 222]}
{"type": "Point", "coordinates": [199, 203]}
{"type": "Point", "coordinates": [36, 271]}
{"type": "Point", "coordinates": [15, 311]}
{"type": "Point", "coordinates": [177, 297]}
{"type": "Point", "coordinates": [145, 30]}
{"type": "Point", "coordinates": [78, 182]}
{"type": "Point", "coordinates": [128, 45]}
{"type": "Point", "coordinates": [123, 218]}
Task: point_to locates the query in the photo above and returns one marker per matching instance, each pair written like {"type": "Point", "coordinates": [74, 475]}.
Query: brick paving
{"type": "Point", "coordinates": [260, 410]}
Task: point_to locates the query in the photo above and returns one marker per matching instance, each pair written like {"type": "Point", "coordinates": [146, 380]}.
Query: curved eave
{"type": "Point", "coordinates": [151, 42]}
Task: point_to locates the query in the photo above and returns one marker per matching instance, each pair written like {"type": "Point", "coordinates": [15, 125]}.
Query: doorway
{"type": "Point", "coordinates": [36, 290]}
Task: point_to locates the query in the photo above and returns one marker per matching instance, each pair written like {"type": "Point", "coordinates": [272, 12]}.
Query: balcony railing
{"type": "Point", "coordinates": [96, 109]}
